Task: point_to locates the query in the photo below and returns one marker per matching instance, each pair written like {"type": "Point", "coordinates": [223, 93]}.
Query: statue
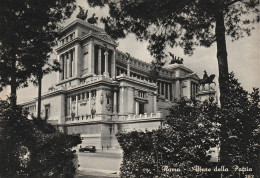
{"type": "Point", "coordinates": [175, 59]}
{"type": "Point", "coordinates": [93, 20]}
{"type": "Point", "coordinates": [82, 15]}
{"type": "Point", "coordinates": [205, 76]}
{"type": "Point", "coordinates": [207, 79]}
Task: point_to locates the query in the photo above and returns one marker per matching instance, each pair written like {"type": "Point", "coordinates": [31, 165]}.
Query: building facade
{"type": "Point", "coordinates": [101, 90]}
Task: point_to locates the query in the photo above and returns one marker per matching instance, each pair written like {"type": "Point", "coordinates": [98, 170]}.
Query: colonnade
{"type": "Point", "coordinates": [74, 61]}
{"type": "Point", "coordinates": [194, 89]}
{"type": "Point", "coordinates": [67, 62]}
{"type": "Point", "coordinates": [165, 89]}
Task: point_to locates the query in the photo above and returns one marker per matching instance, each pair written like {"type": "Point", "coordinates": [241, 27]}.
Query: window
{"type": "Point", "coordinates": [47, 111]}
{"type": "Point", "coordinates": [141, 94]}
{"type": "Point", "coordinates": [93, 93]}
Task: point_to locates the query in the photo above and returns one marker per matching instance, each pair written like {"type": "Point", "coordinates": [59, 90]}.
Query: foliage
{"type": "Point", "coordinates": [186, 23]}
{"type": "Point", "coordinates": [27, 34]}
{"type": "Point", "coordinates": [155, 70]}
{"type": "Point", "coordinates": [240, 126]}
{"type": "Point", "coordinates": [183, 143]}
{"type": "Point", "coordinates": [33, 148]}
{"type": "Point", "coordinates": [190, 131]}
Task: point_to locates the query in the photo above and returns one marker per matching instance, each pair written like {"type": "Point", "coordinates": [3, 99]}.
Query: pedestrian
{"type": "Point", "coordinates": [102, 147]}
{"type": "Point", "coordinates": [107, 147]}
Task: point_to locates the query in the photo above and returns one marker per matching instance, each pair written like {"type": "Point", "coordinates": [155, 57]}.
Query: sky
{"type": "Point", "coordinates": [243, 58]}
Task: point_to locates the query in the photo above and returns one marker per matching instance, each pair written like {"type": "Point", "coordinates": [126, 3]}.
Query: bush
{"type": "Point", "coordinates": [190, 131]}
{"type": "Point", "coordinates": [183, 143]}
{"type": "Point", "coordinates": [33, 148]}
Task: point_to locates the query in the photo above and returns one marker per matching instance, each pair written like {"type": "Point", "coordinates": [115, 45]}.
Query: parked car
{"type": "Point", "coordinates": [88, 148]}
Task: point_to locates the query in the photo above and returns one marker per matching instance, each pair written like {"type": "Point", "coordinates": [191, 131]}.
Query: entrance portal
{"type": "Point", "coordinates": [141, 108]}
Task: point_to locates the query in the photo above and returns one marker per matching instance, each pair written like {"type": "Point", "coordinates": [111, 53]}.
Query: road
{"type": "Point", "coordinates": [101, 160]}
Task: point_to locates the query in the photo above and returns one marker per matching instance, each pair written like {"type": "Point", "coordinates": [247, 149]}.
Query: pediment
{"type": "Point", "coordinates": [107, 38]}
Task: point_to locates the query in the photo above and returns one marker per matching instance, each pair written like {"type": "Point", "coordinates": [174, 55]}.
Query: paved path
{"type": "Point", "coordinates": [101, 164]}
{"type": "Point", "coordinates": [95, 173]}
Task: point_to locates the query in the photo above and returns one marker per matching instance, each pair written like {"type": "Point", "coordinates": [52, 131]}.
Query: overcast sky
{"type": "Point", "coordinates": [243, 58]}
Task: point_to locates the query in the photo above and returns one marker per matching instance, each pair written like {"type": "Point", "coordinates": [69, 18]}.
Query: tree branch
{"type": "Point", "coordinates": [233, 2]}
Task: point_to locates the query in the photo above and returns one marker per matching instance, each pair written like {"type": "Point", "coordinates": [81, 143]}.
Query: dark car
{"type": "Point", "coordinates": [88, 148]}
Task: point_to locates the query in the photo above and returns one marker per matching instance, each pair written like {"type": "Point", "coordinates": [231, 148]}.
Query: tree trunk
{"type": "Point", "coordinates": [221, 52]}
{"type": "Point", "coordinates": [39, 78]}
{"type": "Point", "coordinates": [13, 97]}
{"type": "Point", "coordinates": [223, 76]}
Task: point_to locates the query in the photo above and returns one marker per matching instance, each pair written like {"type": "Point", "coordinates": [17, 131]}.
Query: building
{"type": "Point", "coordinates": [101, 90]}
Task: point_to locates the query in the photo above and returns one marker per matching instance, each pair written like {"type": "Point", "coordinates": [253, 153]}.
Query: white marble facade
{"type": "Point", "coordinates": [102, 90]}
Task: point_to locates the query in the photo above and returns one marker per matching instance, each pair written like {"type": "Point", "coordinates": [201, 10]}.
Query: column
{"type": "Point", "coordinates": [77, 61]}
{"type": "Point", "coordinates": [191, 90]}
{"type": "Point", "coordinates": [91, 57]}
{"type": "Point", "coordinates": [128, 67]}
{"type": "Point", "coordinates": [115, 103]}
{"type": "Point", "coordinates": [90, 103]}
{"type": "Point", "coordinates": [70, 106]}
{"type": "Point", "coordinates": [106, 74]}
{"type": "Point", "coordinates": [154, 103]}
{"type": "Point", "coordinates": [60, 58]}
{"type": "Point", "coordinates": [137, 108]}
{"type": "Point", "coordinates": [99, 61]}
{"type": "Point", "coordinates": [113, 64]}
{"type": "Point", "coordinates": [169, 94]}
{"type": "Point", "coordinates": [73, 63]}
{"type": "Point", "coordinates": [158, 85]}
{"type": "Point", "coordinates": [178, 88]}
{"type": "Point", "coordinates": [130, 100]}
{"type": "Point", "coordinates": [165, 89]}
{"type": "Point", "coordinates": [62, 110]}
{"type": "Point", "coordinates": [65, 66]}
{"type": "Point", "coordinates": [122, 101]}
{"type": "Point", "coordinates": [160, 88]}
{"type": "Point", "coordinates": [76, 105]}
{"type": "Point", "coordinates": [70, 64]}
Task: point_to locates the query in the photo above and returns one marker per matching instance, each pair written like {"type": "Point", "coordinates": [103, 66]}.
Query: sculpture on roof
{"type": "Point", "coordinates": [207, 79]}
{"type": "Point", "coordinates": [175, 60]}
{"type": "Point", "coordinates": [82, 15]}
{"type": "Point", "coordinates": [93, 20]}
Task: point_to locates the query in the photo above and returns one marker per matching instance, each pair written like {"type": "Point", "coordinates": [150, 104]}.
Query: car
{"type": "Point", "coordinates": [91, 149]}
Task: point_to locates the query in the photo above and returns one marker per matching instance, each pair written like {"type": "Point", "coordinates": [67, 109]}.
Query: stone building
{"type": "Point", "coordinates": [102, 90]}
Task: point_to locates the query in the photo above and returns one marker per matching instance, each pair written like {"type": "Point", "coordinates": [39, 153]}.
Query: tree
{"type": "Point", "coordinates": [23, 25]}
{"type": "Point", "coordinates": [33, 148]}
{"type": "Point", "coordinates": [191, 130]}
{"type": "Point", "coordinates": [240, 126]}
{"type": "Point", "coordinates": [183, 143]}
{"type": "Point", "coordinates": [186, 23]}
